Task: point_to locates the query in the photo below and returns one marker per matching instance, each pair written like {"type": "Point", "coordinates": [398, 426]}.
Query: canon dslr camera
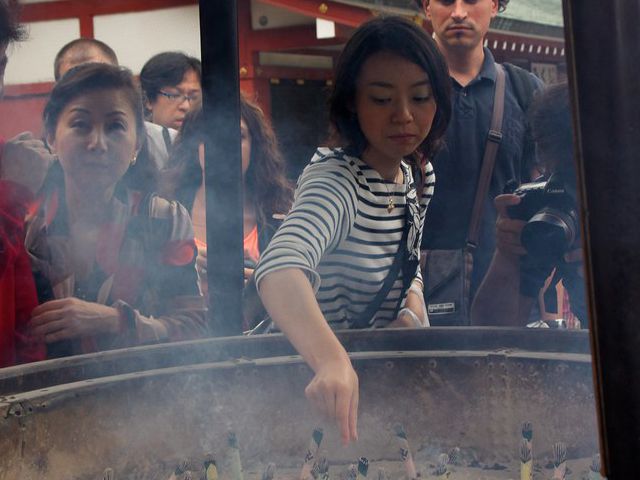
{"type": "Point", "coordinates": [550, 209]}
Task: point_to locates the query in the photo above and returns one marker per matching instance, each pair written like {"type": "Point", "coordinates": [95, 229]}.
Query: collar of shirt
{"type": "Point", "coordinates": [487, 71]}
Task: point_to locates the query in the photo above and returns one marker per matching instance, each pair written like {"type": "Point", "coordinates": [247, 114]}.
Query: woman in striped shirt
{"type": "Point", "coordinates": [326, 264]}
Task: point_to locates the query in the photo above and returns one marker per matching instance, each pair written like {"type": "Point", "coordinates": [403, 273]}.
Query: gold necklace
{"type": "Point", "coordinates": [391, 205]}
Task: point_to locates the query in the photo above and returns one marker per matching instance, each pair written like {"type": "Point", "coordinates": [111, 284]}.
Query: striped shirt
{"type": "Point", "coordinates": [342, 235]}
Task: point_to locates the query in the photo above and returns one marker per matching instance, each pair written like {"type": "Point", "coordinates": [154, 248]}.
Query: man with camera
{"type": "Point", "coordinates": [538, 229]}
{"type": "Point", "coordinates": [457, 244]}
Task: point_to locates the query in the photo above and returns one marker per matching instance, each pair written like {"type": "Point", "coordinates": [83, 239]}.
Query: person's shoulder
{"type": "Point", "coordinates": [522, 78]}
{"type": "Point", "coordinates": [331, 156]}
{"type": "Point", "coordinates": [154, 130]}
{"type": "Point", "coordinates": [524, 84]}
{"type": "Point", "coordinates": [332, 161]}
{"type": "Point", "coordinates": [157, 207]}
{"type": "Point", "coordinates": [331, 169]}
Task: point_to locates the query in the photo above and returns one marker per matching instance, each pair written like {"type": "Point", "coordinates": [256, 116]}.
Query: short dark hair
{"type": "Point", "coordinates": [502, 4]}
{"type": "Point", "coordinates": [166, 69]}
{"type": "Point", "coordinates": [10, 29]}
{"type": "Point", "coordinates": [82, 44]}
{"type": "Point", "coordinates": [400, 37]}
{"type": "Point", "coordinates": [91, 77]}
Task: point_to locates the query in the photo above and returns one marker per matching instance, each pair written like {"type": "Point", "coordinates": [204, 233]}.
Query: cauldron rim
{"type": "Point", "coordinates": [47, 373]}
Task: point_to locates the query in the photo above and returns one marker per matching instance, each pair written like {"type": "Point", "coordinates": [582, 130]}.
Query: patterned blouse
{"type": "Point", "coordinates": [145, 267]}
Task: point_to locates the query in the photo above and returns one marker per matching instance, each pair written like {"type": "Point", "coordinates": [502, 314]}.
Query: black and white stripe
{"type": "Point", "coordinates": [341, 235]}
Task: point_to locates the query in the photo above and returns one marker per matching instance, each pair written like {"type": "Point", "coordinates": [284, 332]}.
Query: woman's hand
{"type": "Point", "coordinates": [334, 392]}
{"type": "Point", "coordinates": [290, 300]}
{"type": "Point", "coordinates": [69, 318]}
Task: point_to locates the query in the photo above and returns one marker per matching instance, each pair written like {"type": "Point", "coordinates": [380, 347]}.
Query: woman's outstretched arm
{"type": "Point", "coordinates": [289, 298]}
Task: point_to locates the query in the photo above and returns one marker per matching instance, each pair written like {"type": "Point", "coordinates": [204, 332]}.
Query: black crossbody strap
{"type": "Point", "coordinates": [489, 159]}
{"type": "Point", "coordinates": [398, 260]}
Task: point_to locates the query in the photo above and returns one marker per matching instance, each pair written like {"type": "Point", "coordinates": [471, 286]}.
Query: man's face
{"type": "Point", "coordinates": [460, 24]}
{"type": "Point", "coordinates": [3, 66]}
{"type": "Point", "coordinates": [174, 101]}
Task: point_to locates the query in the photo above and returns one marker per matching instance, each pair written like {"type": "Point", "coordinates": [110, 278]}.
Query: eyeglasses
{"type": "Point", "coordinates": [180, 97]}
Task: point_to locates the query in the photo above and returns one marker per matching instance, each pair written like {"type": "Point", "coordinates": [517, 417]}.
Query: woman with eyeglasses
{"type": "Point", "coordinates": [170, 83]}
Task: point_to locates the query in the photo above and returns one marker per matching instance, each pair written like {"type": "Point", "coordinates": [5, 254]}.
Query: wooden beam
{"type": "Point", "coordinates": [63, 9]}
{"type": "Point", "coordinates": [291, 73]}
{"type": "Point", "coordinates": [336, 12]}
{"type": "Point", "coordinates": [289, 38]}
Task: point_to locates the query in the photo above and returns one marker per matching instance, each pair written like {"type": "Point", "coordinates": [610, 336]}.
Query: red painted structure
{"type": "Point", "coordinates": [22, 106]}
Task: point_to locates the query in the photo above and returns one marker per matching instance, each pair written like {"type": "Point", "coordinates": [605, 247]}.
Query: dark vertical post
{"type": "Point", "coordinates": [223, 171]}
{"type": "Point", "coordinates": [604, 53]}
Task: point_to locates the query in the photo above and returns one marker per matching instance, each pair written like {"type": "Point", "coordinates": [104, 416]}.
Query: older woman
{"type": "Point", "coordinates": [114, 267]}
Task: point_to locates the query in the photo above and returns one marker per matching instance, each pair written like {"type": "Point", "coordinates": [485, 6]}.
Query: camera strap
{"type": "Point", "coordinates": [494, 139]}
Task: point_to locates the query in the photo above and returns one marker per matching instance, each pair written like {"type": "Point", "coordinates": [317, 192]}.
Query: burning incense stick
{"type": "Point", "coordinates": [323, 468]}
{"type": "Point", "coordinates": [181, 469]}
{"type": "Point", "coordinates": [526, 461]}
{"type": "Point", "coordinates": [382, 474]}
{"type": "Point", "coordinates": [315, 471]}
{"type": "Point", "coordinates": [405, 452]}
{"type": "Point", "coordinates": [312, 451]}
{"type": "Point", "coordinates": [594, 469]}
{"type": "Point", "coordinates": [559, 461]}
{"type": "Point", "coordinates": [352, 472]}
{"type": "Point", "coordinates": [363, 468]}
{"type": "Point", "coordinates": [210, 468]}
{"type": "Point", "coordinates": [526, 452]}
{"type": "Point", "coordinates": [442, 469]}
{"type": "Point", "coordinates": [234, 457]}
{"type": "Point", "coordinates": [269, 472]}
{"type": "Point", "coordinates": [455, 455]}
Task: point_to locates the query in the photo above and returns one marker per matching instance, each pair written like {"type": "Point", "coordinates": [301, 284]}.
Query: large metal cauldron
{"type": "Point", "coordinates": [138, 408]}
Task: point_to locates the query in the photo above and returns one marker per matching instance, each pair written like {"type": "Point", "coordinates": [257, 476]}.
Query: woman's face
{"type": "Point", "coordinates": [96, 139]}
{"type": "Point", "coordinates": [246, 146]}
{"type": "Point", "coordinates": [394, 105]}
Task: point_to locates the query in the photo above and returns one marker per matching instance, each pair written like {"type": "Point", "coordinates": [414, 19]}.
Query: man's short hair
{"type": "Point", "coordinates": [84, 45]}
{"type": "Point", "coordinates": [502, 4]}
{"type": "Point", "coordinates": [10, 29]}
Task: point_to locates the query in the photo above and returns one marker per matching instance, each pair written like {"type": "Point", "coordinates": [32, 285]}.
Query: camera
{"type": "Point", "coordinates": [550, 209]}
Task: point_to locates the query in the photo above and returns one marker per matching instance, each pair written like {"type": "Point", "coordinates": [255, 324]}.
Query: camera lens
{"type": "Point", "coordinates": [549, 233]}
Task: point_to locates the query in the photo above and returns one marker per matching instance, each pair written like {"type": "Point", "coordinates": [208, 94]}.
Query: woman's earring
{"type": "Point", "coordinates": [133, 160]}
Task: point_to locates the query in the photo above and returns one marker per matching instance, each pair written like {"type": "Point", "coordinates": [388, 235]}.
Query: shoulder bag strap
{"type": "Point", "coordinates": [488, 161]}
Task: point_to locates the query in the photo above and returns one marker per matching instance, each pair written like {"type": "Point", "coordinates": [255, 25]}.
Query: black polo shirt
{"type": "Point", "coordinates": [457, 166]}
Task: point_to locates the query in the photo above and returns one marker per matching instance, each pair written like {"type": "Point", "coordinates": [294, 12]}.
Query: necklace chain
{"type": "Point", "coordinates": [391, 204]}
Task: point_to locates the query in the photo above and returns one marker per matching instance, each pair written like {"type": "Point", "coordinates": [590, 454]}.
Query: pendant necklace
{"type": "Point", "coordinates": [391, 205]}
